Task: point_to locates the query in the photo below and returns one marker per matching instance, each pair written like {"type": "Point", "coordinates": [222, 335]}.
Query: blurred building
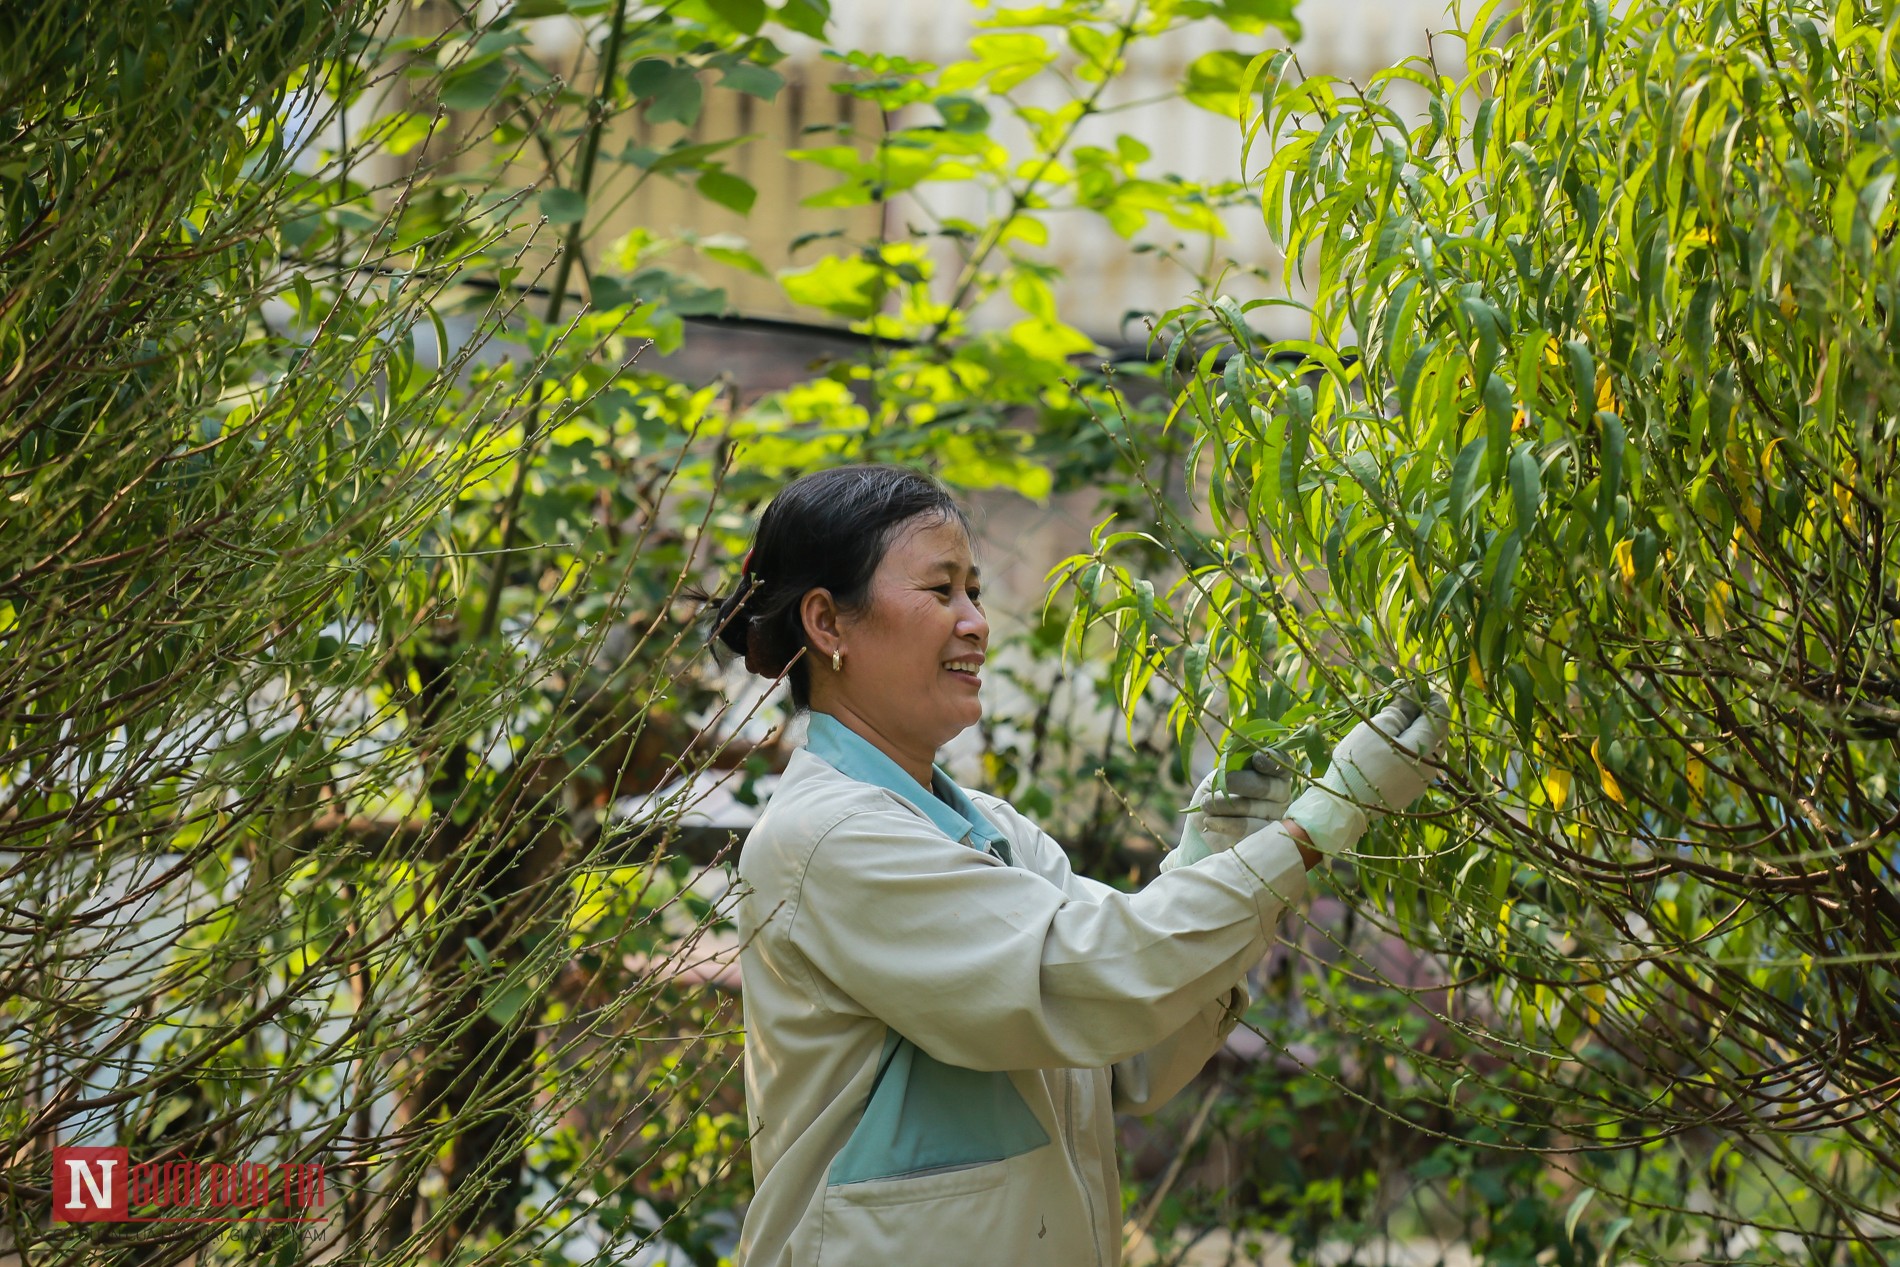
{"type": "Point", "coordinates": [1103, 277]}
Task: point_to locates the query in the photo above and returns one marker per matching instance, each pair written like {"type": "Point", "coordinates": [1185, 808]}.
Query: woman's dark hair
{"type": "Point", "coordinates": [828, 530]}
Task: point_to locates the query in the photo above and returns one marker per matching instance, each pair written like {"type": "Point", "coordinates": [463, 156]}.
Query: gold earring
{"type": "Point", "coordinates": [837, 662]}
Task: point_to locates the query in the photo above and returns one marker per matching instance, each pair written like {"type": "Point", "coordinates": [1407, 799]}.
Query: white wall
{"type": "Point", "coordinates": [1103, 277]}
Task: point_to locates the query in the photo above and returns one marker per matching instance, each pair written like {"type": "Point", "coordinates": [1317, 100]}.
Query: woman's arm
{"type": "Point", "coordinates": [994, 967]}
{"type": "Point", "coordinates": [1150, 1078]}
{"type": "Point", "coordinates": [1308, 855]}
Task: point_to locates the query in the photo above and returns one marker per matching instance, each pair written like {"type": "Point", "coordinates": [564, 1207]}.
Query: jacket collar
{"type": "Point", "coordinates": [946, 805]}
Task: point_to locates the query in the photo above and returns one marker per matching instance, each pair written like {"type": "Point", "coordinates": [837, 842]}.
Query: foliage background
{"type": "Point", "coordinates": [1593, 434]}
{"type": "Point", "coordinates": [348, 525]}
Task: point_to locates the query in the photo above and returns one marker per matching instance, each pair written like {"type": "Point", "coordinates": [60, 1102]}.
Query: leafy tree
{"type": "Point", "coordinates": [1593, 433]}
{"type": "Point", "coordinates": [306, 851]}
{"type": "Point", "coordinates": [345, 538]}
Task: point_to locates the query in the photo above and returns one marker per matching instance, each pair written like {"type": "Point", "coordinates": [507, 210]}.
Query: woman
{"type": "Point", "coordinates": [941, 1019]}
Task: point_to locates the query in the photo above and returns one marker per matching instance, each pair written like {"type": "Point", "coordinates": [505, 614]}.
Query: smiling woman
{"type": "Point", "coordinates": [941, 1017]}
{"type": "Point", "coordinates": [905, 670]}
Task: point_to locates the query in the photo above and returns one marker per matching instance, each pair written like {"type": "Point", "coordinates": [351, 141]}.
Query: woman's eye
{"type": "Point", "coordinates": [946, 589]}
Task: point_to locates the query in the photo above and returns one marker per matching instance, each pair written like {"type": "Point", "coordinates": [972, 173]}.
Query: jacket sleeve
{"type": "Point", "coordinates": [1151, 1077]}
{"type": "Point", "coordinates": [989, 966]}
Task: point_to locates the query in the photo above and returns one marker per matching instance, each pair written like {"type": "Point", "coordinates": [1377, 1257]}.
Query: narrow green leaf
{"type": "Point", "coordinates": [1526, 486]}
{"type": "Point", "coordinates": [1502, 582]}
{"type": "Point", "coordinates": [1611, 485]}
{"type": "Point", "coordinates": [1464, 477]}
{"type": "Point", "coordinates": [1499, 409]}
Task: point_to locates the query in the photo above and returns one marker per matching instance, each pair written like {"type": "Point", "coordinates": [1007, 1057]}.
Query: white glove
{"type": "Point", "coordinates": [1256, 796]}
{"type": "Point", "coordinates": [1381, 765]}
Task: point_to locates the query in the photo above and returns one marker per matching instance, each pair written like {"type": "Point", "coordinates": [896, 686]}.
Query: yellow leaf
{"type": "Point", "coordinates": [1768, 457]}
{"type": "Point", "coordinates": [1606, 392]}
{"type": "Point", "coordinates": [1606, 780]}
{"type": "Point", "coordinates": [1477, 674]}
{"type": "Point", "coordinates": [1623, 553]}
{"type": "Point", "coordinates": [1820, 376]}
{"type": "Point", "coordinates": [1553, 351]}
{"type": "Point", "coordinates": [1844, 493]}
{"type": "Point", "coordinates": [1557, 788]}
{"type": "Point", "coordinates": [1698, 773]}
{"type": "Point", "coordinates": [1715, 610]}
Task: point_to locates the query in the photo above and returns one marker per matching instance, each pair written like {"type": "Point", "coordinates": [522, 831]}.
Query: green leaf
{"type": "Point", "coordinates": [671, 91]}
{"type": "Point", "coordinates": [753, 80]}
{"type": "Point", "coordinates": [474, 87]}
{"type": "Point", "coordinates": [1526, 486]}
{"type": "Point", "coordinates": [1464, 477]}
{"type": "Point", "coordinates": [1504, 572]}
{"type": "Point", "coordinates": [729, 191]}
{"type": "Point", "coordinates": [807, 17]}
{"type": "Point", "coordinates": [1583, 375]}
{"type": "Point", "coordinates": [964, 115]}
{"type": "Point", "coordinates": [1645, 549]}
{"type": "Point", "coordinates": [745, 16]}
{"type": "Point", "coordinates": [1364, 467]}
{"type": "Point", "coordinates": [1098, 51]}
{"type": "Point", "coordinates": [1611, 1235]}
{"type": "Point", "coordinates": [1576, 1212]}
{"type": "Point", "coordinates": [526, 9]}
{"type": "Point", "coordinates": [609, 292]}
{"type": "Point", "coordinates": [1251, 17]}
{"type": "Point", "coordinates": [410, 130]}
{"type": "Point", "coordinates": [1612, 462]}
{"type": "Point", "coordinates": [507, 1003]}
{"type": "Point", "coordinates": [732, 252]}
{"type": "Point", "coordinates": [563, 206]}
{"type": "Point", "coordinates": [1299, 432]}
{"type": "Point", "coordinates": [682, 154]}
{"type": "Point", "coordinates": [1498, 413]}
{"type": "Point", "coordinates": [1003, 61]}
{"type": "Point", "coordinates": [847, 285]}
{"type": "Point", "coordinates": [1213, 81]}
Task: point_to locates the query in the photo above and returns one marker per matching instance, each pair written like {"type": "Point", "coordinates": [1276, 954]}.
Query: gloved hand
{"type": "Point", "coordinates": [1256, 796]}
{"type": "Point", "coordinates": [1381, 764]}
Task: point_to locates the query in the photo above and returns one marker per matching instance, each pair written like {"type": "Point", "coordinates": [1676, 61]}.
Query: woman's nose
{"type": "Point", "coordinates": [973, 623]}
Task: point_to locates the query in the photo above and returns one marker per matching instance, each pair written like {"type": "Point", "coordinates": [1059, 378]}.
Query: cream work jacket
{"type": "Point", "coordinates": [942, 1019]}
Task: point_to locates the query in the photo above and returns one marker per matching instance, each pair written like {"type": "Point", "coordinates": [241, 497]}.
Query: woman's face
{"type": "Point", "coordinates": [913, 657]}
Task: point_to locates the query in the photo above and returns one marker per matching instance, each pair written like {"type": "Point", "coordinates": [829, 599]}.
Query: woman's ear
{"type": "Point", "coordinates": [818, 612]}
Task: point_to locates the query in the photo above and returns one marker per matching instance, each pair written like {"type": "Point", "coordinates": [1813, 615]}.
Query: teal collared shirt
{"type": "Point", "coordinates": [944, 804]}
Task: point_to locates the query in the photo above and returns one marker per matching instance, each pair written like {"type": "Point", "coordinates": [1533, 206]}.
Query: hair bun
{"type": "Point", "coordinates": [755, 658]}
